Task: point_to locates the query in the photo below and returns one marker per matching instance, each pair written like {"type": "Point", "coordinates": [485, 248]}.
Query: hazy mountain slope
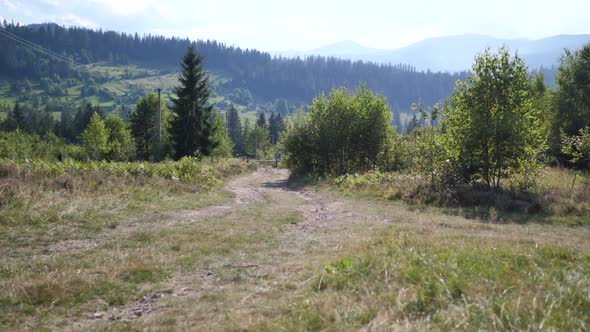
{"type": "Point", "coordinates": [455, 53]}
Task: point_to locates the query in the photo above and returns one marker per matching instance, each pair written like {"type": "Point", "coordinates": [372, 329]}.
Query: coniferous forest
{"type": "Point", "coordinates": [267, 78]}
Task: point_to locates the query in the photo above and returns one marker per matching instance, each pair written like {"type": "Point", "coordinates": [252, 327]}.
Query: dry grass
{"type": "Point", "coordinates": [61, 237]}
{"type": "Point", "coordinates": [282, 260]}
{"type": "Point", "coordinates": [415, 278]}
{"type": "Point", "coordinates": [558, 195]}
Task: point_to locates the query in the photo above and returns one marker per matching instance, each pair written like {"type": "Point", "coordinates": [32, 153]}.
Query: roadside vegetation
{"type": "Point", "coordinates": [487, 152]}
{"type": "Point", "coordinates": [504, 152]}
{"type": "Point", "coordinates": [423, 278]}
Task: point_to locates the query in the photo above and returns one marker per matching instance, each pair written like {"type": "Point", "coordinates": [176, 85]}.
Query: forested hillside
{"type": "Point", "coordinates": [266, 78]}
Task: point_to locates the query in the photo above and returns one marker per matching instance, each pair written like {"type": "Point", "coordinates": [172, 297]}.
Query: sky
{"type": "Point", "coordinates": [275, 25]}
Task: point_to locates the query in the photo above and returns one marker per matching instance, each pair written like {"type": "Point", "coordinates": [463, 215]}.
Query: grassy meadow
{"type": "Point", "coordinates": [134, 247]}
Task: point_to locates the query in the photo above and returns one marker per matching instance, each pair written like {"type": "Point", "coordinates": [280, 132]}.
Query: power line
{"type": "Point", "coordinates": [24, 42]}
{"type": "Point", "coordinates": [38, 48]}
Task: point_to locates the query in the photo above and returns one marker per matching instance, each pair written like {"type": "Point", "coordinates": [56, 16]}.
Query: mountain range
{"type": "Point", "coordinates": [453, 53]}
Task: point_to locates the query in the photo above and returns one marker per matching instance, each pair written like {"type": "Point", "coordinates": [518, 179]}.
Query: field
{"type": "Point", "coordinates": [259, 253]}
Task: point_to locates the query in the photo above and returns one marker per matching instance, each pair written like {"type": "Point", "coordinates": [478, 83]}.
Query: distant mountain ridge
{"type": "Point", "coordinates": [454, 53]}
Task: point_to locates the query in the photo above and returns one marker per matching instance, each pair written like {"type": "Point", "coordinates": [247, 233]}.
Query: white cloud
{"type": "Point", "coordinates": [123, 8]}
{"type": "Point", "coordinates": [8, 4]}
{"type": "Point", "coordinates": [71, 19]}
{"type": "Point", "coordinates": [127, 7]}
{"type": "Point", "coordinates": [301, 23]}
{"type": "Point", "coordinates": [55, 3]}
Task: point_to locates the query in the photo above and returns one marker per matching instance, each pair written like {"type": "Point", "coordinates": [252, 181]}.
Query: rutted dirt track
{"type": "Point", "coordinates": [324, 226]}
{"type": "Point", "coordinates": [274, 268]}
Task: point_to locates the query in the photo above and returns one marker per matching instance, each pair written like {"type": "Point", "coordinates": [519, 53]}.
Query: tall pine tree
{"type": "Point", "coordinates": [192, 128]}
{"type": "Point", "coordinates": [261, 121]}
{"type": "Point", "coordinates": [276, 127]}
{"type": "Point", "coordinates": [16, 119]}
{"type": "Point", "coordinates": [144, 126]}
{"type": "Point", "coordinates": [234, 127]}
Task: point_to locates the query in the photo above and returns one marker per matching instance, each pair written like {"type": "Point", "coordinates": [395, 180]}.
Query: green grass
{"type": "Point", "coordinates": [448, 282]}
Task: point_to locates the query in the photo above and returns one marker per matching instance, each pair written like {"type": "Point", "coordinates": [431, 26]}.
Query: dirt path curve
{"type": "Point", "coordinates": [245, 189]}
{"type": "Point", "coordinates": [245, 284]}
{"type": "Point", "coordinates": [324, 225]}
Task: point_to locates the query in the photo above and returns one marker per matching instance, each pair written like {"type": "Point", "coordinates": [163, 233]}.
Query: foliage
{"type": "Point", "coordinates": [186, 169]}
{"type": "Point", "coordinates": [191, 128]}
{"type": "Point", "coordinates": [120, 141]}
{"type": "Point", "coordinates": [578, 147]}
{"type": "Point", "coordinates": [558, 196]}
{"type": "Point", "coordinates": [397, 152]}
{"type": "Point", "coordinates": [18, 146]}
{"type": "Point", "coordinates": [571, 110]}
{"type": "Point", "coordinates": [491, 126]}
{"type": "Point", "coordinates": [257, 142]}
{"type": "Point", "coordinates": [344, 132]}
{"type": "Point", "coordinates": [430, 155]}
{"type": "Point", "coordinates": [95, 138]}
{"type": "Point", "coordinates": [234, 127]}
{"type": "Point", "coordinates": [144, 123]}
{"type": "Point", "coordinates": [223, 144]}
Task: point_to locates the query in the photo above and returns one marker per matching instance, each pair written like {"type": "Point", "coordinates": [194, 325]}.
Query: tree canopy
{"type": "Point", "coordinates": [344, 132]}
{"type": "Point", "coordinates": [192, 129]}
{"type": "Point", "coordinates": [491, 125]}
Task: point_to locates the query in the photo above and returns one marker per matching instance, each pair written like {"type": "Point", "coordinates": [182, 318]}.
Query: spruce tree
{"type": "Point", "coordinates": [234, 127]}
{"type": "Point", "coordinates": [396, 119]}
{"type": "Point", "coordinates": [65, 127]}
{"type": "Point", "coordinates": [280, 124]}
{"type": "Point", "coordinates": [16, 119]}
{"type": "Point", "coordinates": [192, 128]}
{"type": "Point", "coordinates": [120, 141]}
{"type": "Point", "coordinates": [276, 126]}
{"type": "Point", "coordinates": [261, 121]}
{"type": "Point", "coordinates": [144, 126]}
{"type": "Point", "coordinates": [245, 135]}
{"type": "Point", "coordinates": [272, 128]}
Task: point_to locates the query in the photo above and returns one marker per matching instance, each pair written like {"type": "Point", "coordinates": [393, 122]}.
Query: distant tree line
{"type": "Point", "coordinates": [294, 80]}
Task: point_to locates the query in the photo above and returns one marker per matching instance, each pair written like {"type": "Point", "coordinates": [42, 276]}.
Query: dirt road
{"type": "Point", "coordinates": [239, 264]}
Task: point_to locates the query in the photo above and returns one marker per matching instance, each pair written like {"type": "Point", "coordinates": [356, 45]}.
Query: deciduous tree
{"type": "Point", "coordinates": [492, 127]}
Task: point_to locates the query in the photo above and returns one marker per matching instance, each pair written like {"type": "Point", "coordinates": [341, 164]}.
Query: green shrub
{"type": "Point", "coordinates": [344, 132]}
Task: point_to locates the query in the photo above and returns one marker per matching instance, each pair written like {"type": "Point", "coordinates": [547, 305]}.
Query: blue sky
{"type": "Point", "coordinates": [307, 24]}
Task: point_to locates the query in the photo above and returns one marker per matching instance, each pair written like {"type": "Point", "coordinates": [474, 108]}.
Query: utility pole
{"type": "Point", "coordinates": [159, 117]}
{"type": "Point", "coordinates": [159, 124]}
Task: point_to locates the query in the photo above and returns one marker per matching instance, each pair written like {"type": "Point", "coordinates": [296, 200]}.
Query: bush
{"type": "Point", "coordinates": [344, 132]}
{"type": "Point", "coordinates": [188, 170]}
